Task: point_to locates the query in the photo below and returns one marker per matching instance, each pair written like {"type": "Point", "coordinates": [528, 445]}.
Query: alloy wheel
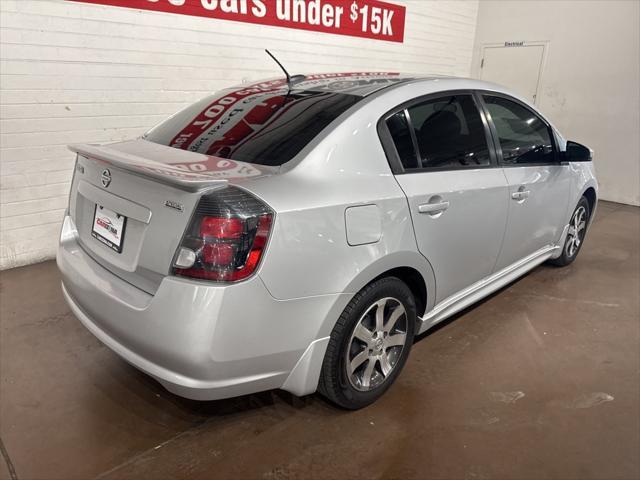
{"type": "Point", "coordinates": [577, 228]}
{"type": "Point", "coordinates": [376, 344]}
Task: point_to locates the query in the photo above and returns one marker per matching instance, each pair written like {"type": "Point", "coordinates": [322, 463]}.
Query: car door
{"type": "Point", "coordinates": [457, 194]}
{"type": "Point", "coordinates": [539, 184]}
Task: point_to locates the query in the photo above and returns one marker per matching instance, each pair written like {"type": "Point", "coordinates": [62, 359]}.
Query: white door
{"type": "Point", "coordinates": [518, 68]}
{"type": "Point", "coordinates": [457, 194]}
{"type": "Point", "coordinates": [459, 217]}
{"type": "Point", "coordinates": [539, 184]}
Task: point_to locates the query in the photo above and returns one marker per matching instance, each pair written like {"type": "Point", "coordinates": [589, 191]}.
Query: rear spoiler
{"type": "Point", "coordinates": [144, 167]}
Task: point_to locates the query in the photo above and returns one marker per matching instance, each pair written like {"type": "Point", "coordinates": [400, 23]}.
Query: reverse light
{"type": "Point", "coordinates": [226, 238]}
{"type": "Point", "coordinates": [185, 258]}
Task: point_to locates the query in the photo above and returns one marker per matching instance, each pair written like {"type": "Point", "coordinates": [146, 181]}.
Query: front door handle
{"type": "Point", "coordinates": [433, 208]}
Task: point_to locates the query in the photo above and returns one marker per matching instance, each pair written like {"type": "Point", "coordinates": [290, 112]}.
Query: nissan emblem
{"type": "Point", "coordinates": [105, 177]}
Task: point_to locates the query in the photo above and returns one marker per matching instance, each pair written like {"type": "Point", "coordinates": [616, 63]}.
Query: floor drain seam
{"type": "Point", "coordinates": [7, 459]}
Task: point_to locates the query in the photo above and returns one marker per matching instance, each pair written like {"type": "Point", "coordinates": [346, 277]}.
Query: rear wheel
{"type": "Point", "coordinates": [369, 344]}
{"type": "Point", "coordinates": [575, 234]}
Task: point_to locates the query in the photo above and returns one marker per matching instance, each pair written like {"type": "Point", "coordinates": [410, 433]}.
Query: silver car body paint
{"type": "Point", "coordinates": [342, 219]}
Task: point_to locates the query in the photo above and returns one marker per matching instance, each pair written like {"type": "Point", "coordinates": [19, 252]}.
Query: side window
{"type": "Point", "coordinates": [446, 132]}
{"type": "Point", "coordinates": [399, 130]}
{"type": "Point", "coordinates": [450, 133]}
{"type": "Point", "coordinates": [524, 137]}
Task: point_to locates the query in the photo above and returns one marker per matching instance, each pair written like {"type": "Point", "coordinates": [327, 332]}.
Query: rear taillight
{"type": "Point", "coordinates": [226, 238]}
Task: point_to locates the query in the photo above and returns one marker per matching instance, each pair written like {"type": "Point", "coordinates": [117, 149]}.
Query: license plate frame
{"type": "Point", "coordinates": [108, 227]}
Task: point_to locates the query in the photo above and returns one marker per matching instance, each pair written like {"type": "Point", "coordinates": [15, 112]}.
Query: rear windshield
{"type": "Point", "coordinates": [265, 126]}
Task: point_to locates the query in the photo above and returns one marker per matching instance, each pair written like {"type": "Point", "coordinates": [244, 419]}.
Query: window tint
{"type": "Point", "coordinates": [262, 126]}
{"type": "Point", "coordinates": [523, 136]}
{"type": "Point", "coordinates": [399, 129]}
{"type": "Point", "coordinates": [449, 134]}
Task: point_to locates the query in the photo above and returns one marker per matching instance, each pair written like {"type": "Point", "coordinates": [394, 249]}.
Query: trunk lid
{"type": "Point", "coordinates": [156, 188]}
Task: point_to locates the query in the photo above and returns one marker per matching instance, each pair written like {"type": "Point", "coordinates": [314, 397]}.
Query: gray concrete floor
{"type": "Point", "coordinates": [541, 380]}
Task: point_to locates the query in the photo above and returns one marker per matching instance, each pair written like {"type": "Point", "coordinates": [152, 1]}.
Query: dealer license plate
{"type": "Point", "coordinates": [108, 227]}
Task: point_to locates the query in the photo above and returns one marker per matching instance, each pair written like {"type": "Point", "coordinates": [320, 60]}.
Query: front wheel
{"type": "Point", "coordinates": [575, 234]}
{"type": "Point", "coordinates": [369, 344]}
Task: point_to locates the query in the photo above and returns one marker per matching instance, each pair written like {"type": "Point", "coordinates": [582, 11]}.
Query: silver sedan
{"type": "Point", "coordinates": [298, 235]}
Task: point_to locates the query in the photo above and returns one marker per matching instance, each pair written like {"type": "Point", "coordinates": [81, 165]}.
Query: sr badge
{"type": "Point", "coordinates": [174, 205]}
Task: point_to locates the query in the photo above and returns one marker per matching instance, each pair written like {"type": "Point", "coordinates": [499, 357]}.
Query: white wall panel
{"type": "Point", "coordinates": [590, 81]}
{"type": "Point", "coordinates": [72, 72]}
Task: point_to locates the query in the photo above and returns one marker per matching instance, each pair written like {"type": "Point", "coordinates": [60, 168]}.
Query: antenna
{"type": "Point", "coordinates": [280, 65]}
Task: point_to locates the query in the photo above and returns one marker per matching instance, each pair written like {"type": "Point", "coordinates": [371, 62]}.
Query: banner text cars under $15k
{"type": "Point", "coordinates": [358, 18]}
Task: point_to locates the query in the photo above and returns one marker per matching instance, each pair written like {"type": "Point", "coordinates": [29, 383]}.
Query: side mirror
{"type": "Point", "coordinates": [576, 152]}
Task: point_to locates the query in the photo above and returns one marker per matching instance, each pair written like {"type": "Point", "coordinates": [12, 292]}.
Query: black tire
{"type": "Point", "coordinates": [569, 254]}
{"type": "Point", "coordinates": [336, 383]}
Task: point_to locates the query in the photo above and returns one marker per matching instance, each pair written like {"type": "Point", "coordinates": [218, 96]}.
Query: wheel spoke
{"type": "Point", "coordinates": [393, 318]}
{"type": "Point", "coordinates": [569, 246]}
{"type": "Point", "coordinates": [363, 334]}
{"type": "Point", "coordinates": [380, 315]}
{"type": "Point", "coordinates": [572, 247]}
{"type": "Point", "coordinates": [396, 340]}
{"type": "Point", "coordinates": [368, 373]}
{"type": "Point", "coordinates": [358, 360]}
{"type": "Point", "coordinates": [385, 366]}
{"type": "Point", "coordinates": [572, 231]}
{"type": "Point", "coordinates": [581, 225]}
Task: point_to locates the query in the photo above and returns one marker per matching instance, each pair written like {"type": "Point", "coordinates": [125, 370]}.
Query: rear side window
{"type": "Point", "coordinates": [264, 127]}
{"type": "Point", "coordinates": [524, 137]}
{"type": "Point", "coordinates": [446, 132]}
{"type": "Point", "coordinates": [399, 130]}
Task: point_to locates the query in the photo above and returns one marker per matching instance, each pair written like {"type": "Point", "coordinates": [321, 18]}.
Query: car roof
{"type": "Point", "coordinates": [364, 84]}
{"type": "Point", "coordinates": [360, 84]}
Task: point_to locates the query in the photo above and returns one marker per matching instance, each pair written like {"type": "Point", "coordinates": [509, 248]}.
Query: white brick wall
{"type": "Point", "coordinates": [73, 72]}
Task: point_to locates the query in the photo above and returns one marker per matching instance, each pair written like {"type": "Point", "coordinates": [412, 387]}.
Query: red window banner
{"type": "Point", "coordinates": [234, 113]}
{"type": "Point", "coordinates": [357, 18]}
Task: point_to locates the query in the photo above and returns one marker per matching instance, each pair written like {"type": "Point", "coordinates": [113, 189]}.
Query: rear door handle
{"type": "Point", "coordinates": [520, 194]}
{"type": "Point", "coordinates": [433, 207]}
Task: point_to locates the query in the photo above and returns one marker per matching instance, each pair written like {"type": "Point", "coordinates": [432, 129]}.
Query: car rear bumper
{"type": "Point", "coordinates": [200, 341]}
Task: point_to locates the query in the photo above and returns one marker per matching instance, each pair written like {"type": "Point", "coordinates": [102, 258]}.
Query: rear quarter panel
{"type": "Point", "coordinates": [308, 253]}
